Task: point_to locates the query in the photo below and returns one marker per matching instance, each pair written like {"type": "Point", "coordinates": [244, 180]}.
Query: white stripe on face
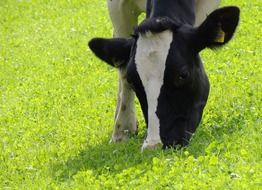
{"type": "Point", "coordinates": [151, 54]}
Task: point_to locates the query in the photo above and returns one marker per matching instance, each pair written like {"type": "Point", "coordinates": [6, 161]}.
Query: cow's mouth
{"type": "Point", "coordinates": [176, 144]}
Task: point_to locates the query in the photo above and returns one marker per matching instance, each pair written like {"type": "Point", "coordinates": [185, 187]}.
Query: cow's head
{"type": "Point", "coordinates": [163, 67]}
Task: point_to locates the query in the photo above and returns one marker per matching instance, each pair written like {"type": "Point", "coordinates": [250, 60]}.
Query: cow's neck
{"type": "Point", "coordinates": [181, 10]}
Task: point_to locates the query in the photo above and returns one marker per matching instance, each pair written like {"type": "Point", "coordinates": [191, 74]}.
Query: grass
{"type": "Point", "coordinates": [57, 105]}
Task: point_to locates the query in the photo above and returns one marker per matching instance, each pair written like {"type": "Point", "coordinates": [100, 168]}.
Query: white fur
{"type": "Point", "coordinates": [125, 121]}
{"type": "Point", "coordinates": [124, 15]}
{"type": "Point", "coordinates": [151, 54]}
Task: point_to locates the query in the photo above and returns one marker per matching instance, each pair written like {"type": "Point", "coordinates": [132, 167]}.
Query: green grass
{"type": "Point", "coordinates": [57, 105]}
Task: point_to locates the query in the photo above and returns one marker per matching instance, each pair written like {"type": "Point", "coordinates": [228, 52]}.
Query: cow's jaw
{"type": "Point", "coordinates": [150, 59]}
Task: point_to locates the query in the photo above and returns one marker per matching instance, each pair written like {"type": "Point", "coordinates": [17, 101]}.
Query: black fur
{"type": "Point", "coordinates": [181, 10]}
{"type": "Point", "coordinates": [156, 25]}
{"type": "Point", "coordinates": [108, 50]}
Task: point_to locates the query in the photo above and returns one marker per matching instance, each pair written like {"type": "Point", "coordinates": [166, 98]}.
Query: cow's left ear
{"type": "Point", "coordinates": [217, 29]}
{"type": "Point", "coordinates": [115, 52]}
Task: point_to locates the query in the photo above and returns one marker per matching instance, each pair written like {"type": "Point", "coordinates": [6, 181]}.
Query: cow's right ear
{"type": "Point", "coordinates": [115, 52]}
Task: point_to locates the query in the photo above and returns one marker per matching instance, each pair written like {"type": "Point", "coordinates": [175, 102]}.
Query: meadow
{"type": "Point", "coordinates": [57, 103]}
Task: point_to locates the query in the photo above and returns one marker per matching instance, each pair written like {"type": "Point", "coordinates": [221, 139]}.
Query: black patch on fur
{"type": "Point", "coordinates": [156, 25]}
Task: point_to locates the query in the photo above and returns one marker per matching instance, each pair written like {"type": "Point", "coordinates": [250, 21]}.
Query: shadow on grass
{"type": "Point", "coordinates": [114, 158]}
{"type": "Point", "coordinates": [105, 158]}
{"type": "Point", "coordinates": [111, 158]}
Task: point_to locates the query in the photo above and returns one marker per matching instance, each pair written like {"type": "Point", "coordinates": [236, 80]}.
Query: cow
{"type": "Point", "coordinates": [159, 62]}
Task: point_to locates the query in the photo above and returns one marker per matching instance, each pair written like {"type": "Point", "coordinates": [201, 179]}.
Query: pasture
{"type": "Point", "coordinates": [57, 103]}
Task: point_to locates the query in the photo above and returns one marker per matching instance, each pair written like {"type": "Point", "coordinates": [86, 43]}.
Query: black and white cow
{"type": "Point", "coordinates": [161, 64]}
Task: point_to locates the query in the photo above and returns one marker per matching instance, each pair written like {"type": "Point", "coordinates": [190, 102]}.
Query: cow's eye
{"type": "Point", "coordinates": [183, 75]}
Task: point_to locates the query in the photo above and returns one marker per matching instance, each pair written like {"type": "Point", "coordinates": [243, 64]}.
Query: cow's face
{"type": "Point", "coordinates": [168, 77]}
{"type": "Point", "coordinates": [163, 67]}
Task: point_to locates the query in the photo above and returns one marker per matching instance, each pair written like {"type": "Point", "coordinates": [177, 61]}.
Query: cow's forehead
{"type": "Point", "coordinates": [150, 59]}
{"type": "Point", "coordinates": [151, 53]}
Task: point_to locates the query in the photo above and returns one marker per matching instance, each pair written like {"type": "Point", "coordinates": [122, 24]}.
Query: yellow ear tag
{"type": "Point", "coordinates": [220, 36]}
